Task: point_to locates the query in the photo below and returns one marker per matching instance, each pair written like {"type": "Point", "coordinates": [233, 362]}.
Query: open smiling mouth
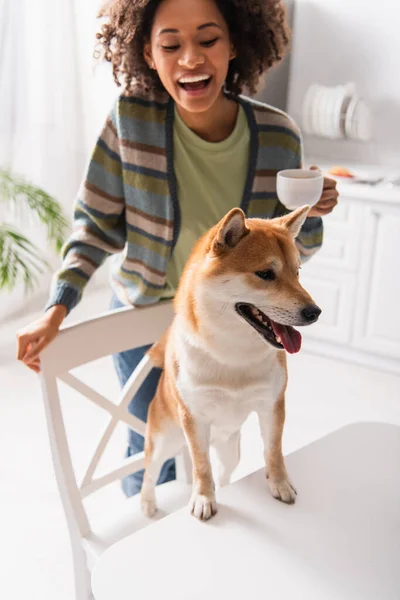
{"type": "Point", "coordinates": [280, 336]}
{"type": "Point", "coordinates": [192, 85]}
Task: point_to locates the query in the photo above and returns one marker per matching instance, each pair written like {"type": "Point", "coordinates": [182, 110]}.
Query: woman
{"type": "Point", "coordinates": [179, 150]}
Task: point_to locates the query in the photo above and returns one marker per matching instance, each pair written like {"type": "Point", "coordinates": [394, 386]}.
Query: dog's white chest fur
{"type": "Point", "coordinates": [224, 386]}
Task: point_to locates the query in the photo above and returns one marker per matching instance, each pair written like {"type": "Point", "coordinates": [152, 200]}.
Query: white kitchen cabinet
{"type": "Point", "coordinates": [377, 325]}
{"type": "Point", "coordinates": [334, 292]}
{"type": "Point", "coordinates": [342, 229]}
{"type": "Point", "coordinates": [355, 279]}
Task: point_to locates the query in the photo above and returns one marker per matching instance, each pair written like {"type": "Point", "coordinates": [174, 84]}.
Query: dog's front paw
{"type": "Point", "coordinates": [282, 490]}
{"type": "Point", "coordinates": [203, 507]}
{"type": "Point", "coordinates": [148, 504]}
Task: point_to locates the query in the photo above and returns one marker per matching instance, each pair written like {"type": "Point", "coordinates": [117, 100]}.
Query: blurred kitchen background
{"type": "Point", "coordinates": [54, 96]}
{"type": "Point", "coordinates": [53, 100]}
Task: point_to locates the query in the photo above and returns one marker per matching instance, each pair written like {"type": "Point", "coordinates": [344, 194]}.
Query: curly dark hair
{"type": "Point", "coordinates": [258, 31]}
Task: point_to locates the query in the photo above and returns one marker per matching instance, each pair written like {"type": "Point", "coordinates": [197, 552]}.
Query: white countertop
{"type": "Point", "coordinates": [382, 192]}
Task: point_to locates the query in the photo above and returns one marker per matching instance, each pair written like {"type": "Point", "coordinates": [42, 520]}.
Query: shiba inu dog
{"type": "Point", "coordinates": [224, 355]}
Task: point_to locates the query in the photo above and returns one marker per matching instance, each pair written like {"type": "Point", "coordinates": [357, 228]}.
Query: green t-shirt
{"type": "Point", "coordinates": [210, 179]}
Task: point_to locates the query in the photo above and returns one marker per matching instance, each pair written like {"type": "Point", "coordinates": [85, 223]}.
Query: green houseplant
{"type": "Point", "coordinates": [20, 260]}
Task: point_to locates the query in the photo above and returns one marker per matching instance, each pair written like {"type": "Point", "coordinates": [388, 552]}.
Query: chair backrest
{"type": "Point", "coordinates": [75, 345]}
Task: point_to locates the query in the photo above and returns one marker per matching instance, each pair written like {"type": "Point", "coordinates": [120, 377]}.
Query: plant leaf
{"type": "Point", "coordinates": [15, 189]}
{"type": "Point", "coordinates": [20, 260]}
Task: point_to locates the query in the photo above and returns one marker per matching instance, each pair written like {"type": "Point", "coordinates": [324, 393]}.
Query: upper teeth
{"type": "Point", "coordinates": [259, 315]}
{"type": "Point", "coordinates": [193, 78]}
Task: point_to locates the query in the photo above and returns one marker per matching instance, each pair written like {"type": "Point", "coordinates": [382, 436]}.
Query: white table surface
{"type": "Point", "coordinates": [340, 540]}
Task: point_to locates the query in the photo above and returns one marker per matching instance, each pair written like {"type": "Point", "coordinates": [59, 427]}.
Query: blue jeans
{"type": "Point", "coordinates": [125, 363]}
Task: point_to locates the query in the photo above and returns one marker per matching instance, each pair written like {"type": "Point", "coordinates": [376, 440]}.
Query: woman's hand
{"type": "Point", "coordinates": [328, 200]}
{"type": "Point", "coordinates": [31, 340]}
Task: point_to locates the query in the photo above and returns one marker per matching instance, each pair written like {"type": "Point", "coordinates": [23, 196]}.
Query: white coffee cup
{"type": "Point", "coordinates": [297, 187]}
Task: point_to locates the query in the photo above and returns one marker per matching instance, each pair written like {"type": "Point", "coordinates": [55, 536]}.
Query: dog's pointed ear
{"type": "Point", "coordinates": [294, 221]}
{"type": "Point", "coordinates": [230, 230]}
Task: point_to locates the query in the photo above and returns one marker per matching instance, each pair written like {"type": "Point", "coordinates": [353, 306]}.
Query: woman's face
{"type": "Point", "coordinates": [190, 48]}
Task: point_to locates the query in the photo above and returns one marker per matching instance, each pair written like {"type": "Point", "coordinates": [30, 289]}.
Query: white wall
{"type": "Point", "coordinates": [54, 98]}
{"type": "Point", "coordinates": [336, 41]}
{"type": "Point", "coordinates": [274, 87]}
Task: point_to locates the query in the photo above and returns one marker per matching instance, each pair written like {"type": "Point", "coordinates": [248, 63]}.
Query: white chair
{"type": "Point", "coordinates": [76, 345]}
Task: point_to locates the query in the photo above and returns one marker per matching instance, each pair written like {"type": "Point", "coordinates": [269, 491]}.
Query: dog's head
{"type": "Point", "coordinates": [252, 266]}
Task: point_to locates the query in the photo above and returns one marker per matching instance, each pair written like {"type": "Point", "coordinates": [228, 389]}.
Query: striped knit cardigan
{"type": "Point", "coordinates": [128, 204]}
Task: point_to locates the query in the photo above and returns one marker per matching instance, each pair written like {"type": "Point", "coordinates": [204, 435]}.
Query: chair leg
{"type": "Point", "coordinates": [83, 588]}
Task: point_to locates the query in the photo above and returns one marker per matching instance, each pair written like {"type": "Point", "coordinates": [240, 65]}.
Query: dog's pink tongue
{"type": "Point", "coordinates": [291, 338]}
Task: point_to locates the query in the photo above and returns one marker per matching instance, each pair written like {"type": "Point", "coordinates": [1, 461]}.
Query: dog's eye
{"type": "Point", "coordinates": [268, 275]}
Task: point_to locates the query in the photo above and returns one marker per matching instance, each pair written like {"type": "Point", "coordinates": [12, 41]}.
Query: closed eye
{"type": "Point", "coordinates": [209, 42]}
{"type": "Point", "coordinates": [268, 275]}
{"type": "Point", "coordinates": [206, 44]}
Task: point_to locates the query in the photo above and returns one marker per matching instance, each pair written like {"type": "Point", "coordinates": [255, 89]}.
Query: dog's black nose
{"type": "Point", "coordinates": [311, 313]}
